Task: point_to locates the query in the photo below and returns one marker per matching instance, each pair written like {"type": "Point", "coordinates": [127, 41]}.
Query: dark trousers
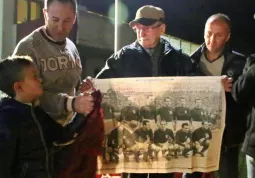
{"type": "Point", "coordinates": [162, 175]}
{"type": "Point", "coordinates": [228, 167]}
{"type": "Point", "coordinates": [229, 162]}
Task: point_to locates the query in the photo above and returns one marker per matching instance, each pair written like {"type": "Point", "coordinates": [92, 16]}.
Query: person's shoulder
{"type": "Point", "coordinates": [161, 108]}
{"type": "Point", "coordinates": [197, 53]}
{"type": "Point", "coordinates": [128, 49]}
{"type": "Point", "coordinates": [28, 43]}
{"type": "Point", "coordinates": [230, 53]}
{"type": "Point", "coordinates": [178, 131]}
{"type": "Point", "coordinates": [251, 59]}
{"type": "Point", "coordinates": [70, 43]}
{"type": "Point", "coordinates": [167, 45]}
{"type": "Point", "coordinates": [169, 49]}
{"type": "Point", "coordinates": [139, 130]}
{"type": "Point", "coordinates": [238, 54]}
{"type": "Point", "coordinates": [156, 131]}
{"type": "Point", "coordinates": [30, 38]}
{"type": "Point", "coordinates": [9, 116]}
{"type": "Point", "coordinates": [169, 130]}
{"type": "Point", "coordinates": [249, 66]}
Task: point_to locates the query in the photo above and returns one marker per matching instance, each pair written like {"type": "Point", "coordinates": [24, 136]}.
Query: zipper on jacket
{"type": "Point", "coordinates": [43, 141]}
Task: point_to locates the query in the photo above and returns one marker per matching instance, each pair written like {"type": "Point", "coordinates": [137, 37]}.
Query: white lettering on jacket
{"type": "Point", "coordinates": [59, 63]}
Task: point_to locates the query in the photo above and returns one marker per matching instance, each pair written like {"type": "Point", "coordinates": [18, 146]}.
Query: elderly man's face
{"type": "Point", "coordinates": [148, 36]}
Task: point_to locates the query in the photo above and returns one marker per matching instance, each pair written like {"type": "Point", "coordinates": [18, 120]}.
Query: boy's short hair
{"type": "Point", "coordinates": [11, 71]}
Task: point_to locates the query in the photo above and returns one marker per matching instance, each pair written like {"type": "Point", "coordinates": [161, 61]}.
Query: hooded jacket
{"type": "Point", "coordinates": [26, 136]}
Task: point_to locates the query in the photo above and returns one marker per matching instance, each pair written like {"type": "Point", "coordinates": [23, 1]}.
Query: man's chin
{"type": "Point", "coordinates": [59, 38]}
{"type": "Point", "coordinates": [145, 44]}
{"type": "Point", "coordinates": [212, 50]}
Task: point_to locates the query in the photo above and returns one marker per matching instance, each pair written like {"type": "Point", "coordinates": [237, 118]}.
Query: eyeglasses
{"type": "Point", "coordinates": [147, 28]}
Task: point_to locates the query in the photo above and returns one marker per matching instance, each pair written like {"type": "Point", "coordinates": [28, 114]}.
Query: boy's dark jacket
{"type": "Point", "coordinates": [22, 150]}
{"type": "Point", "coordinates": [236, 115]}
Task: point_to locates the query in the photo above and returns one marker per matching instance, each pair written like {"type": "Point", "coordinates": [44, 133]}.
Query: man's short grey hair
{"type": "Point", "coordinates": [221, 17]}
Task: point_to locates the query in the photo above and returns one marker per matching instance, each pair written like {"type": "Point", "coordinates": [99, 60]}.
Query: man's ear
{"type": "Point", "coordinates": [75, 18]}
{"type": "Point", "coordinates": [45, 13]}
{"type": "Point", "coordinates": [163, 29]}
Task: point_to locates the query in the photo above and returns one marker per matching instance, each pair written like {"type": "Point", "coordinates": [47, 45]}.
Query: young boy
{"type": "Point", "coordinates": [26, 131]}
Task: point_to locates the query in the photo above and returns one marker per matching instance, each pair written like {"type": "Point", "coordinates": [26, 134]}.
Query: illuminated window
{"type": "Point", "coordinates": [35, 10]}
{"type": "Point", "coordinates": [22, 11]}
{"type": "Point", "coordinates": [28, 10]}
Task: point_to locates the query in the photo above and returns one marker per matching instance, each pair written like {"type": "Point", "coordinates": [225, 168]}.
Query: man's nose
{"type": "Point", "coordinates": [142, 32]}
{"type": "Point", "coordinates": [60, 27]}
{"type": "Point", "coordinates": [212, 39]}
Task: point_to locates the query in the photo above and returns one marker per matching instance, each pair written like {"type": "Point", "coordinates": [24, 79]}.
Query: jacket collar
{"type": "Point", "coordinates": [166, 46]}
{"type": "Point", "coordinates": [201, 49]}
{"type": "Point", "coordinates": [9, 103]}
{"type": "Point", "coordinates": [195, 57]}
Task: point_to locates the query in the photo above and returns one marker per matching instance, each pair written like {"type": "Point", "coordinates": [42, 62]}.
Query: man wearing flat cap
{"type": "Point", "coordinates": [149, 56]}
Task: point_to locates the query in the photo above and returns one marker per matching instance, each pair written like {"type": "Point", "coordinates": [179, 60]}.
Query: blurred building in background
{"type": "Point", "coordinates": [93, 34]}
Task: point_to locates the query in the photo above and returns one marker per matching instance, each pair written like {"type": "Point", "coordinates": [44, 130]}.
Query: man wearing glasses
{"type": "Point", "coordinates": [149, 56]}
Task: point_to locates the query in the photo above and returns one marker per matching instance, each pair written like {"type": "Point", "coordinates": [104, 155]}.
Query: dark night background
{"type": "Point", "coordinates": [186, 18]}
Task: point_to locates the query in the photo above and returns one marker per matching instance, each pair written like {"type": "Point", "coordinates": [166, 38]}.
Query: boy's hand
{"type": "Point", "coordinates": [86, 85]}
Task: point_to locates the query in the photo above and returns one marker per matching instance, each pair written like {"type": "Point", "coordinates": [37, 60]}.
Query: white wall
{"type": "Point", "coordinates": [7, 27]}
{"type": "Point", "coordinates": [1, 25]}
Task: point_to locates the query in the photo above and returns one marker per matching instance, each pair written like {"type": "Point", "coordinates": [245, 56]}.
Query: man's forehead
{"type": "Point", "coordinates": [216, 21]}
{"type": "Point", "coordinates": [61, 8]}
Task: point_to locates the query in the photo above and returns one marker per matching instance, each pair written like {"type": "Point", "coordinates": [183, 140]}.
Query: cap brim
{"type": "Point", "coordinates": [143, 21]}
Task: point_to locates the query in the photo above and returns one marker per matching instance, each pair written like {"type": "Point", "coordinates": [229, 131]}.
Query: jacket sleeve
{"type": "Point", "coordinates": [113, 66]}
{"type": "Point", "coordinates": [243, 89]}
{"type": "Point", "coordinates": [7, 149]}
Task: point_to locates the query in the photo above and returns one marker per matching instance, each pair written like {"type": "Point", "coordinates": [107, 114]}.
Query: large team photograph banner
{"type": "Point", "coordinates": [162, 124]}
